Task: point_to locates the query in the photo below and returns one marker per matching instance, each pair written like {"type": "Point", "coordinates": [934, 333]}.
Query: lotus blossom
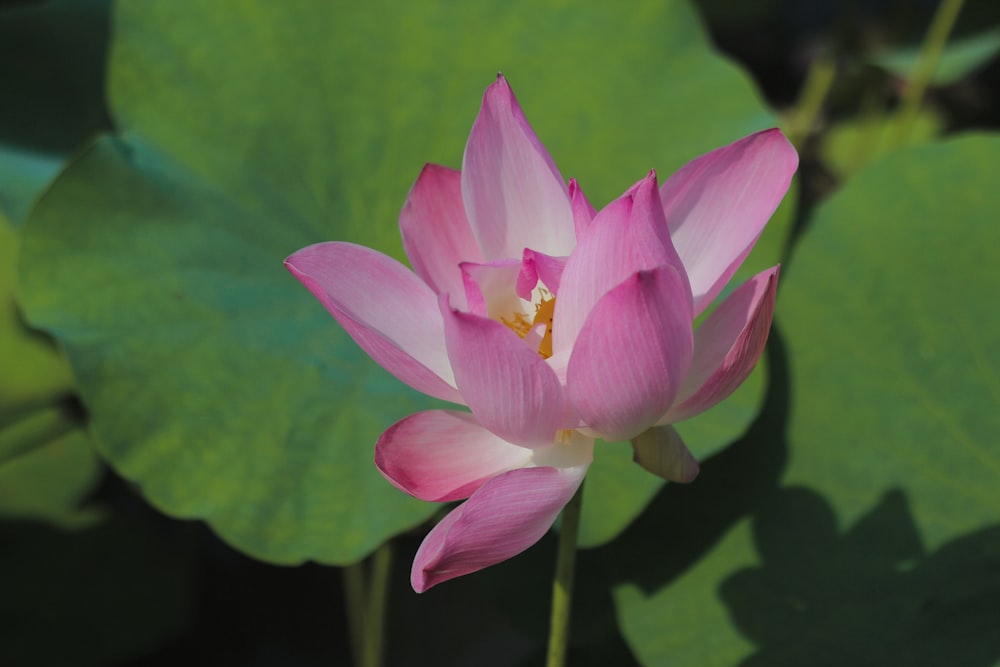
{"type": "Point", "coordinates": [553, 324]}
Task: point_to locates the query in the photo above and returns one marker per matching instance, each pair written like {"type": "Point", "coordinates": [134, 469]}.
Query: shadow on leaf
{"type": "Point", "coordinates": [683, 522]}
{"type": "Point", "coordinates": [872, 596]}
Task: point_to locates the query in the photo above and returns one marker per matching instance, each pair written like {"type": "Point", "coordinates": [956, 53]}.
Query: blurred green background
{"type": "Point", "coordinates": [186, 435]}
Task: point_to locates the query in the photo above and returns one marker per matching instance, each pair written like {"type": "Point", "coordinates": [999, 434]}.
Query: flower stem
{"type": "Point", "coordinates": [562, 585]}
{"type": "Point", "coordinates": [930, 54]}
{"type": "Point", "coordinates": [378, 593]}
{"type": "Point", "coordinates": [366, 605]}
{"type": "Point", "coordinates": [354, 599]}
{"type": "Point", "coordinates": [810, 103]}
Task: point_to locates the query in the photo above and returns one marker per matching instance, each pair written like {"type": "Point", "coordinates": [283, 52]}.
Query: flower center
{"type": "Point", "coordinates": [544, 311]}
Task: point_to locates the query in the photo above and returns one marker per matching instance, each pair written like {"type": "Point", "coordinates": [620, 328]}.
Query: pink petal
{"type": "Point", "coordinates": [514, 195]}
{"type": "Point", "coordinates": [490, 288]}
{"type": "Point", "coordinates": [627, 236]}
{"type": "Point", "coordinates": [436, 234]}
{"type": "Point", "coordinates": [510, 389]}
{"type": "Point", "coordinates": [504, 517]}
{"type": "Point", "coordinates": [442, 455]}
{"type": "Point", "coordinates": [583, 212]}
{"type": "Point", "coordinates": [632, 354]}
{"type": "Point", "coordinates": [537, 266]}
{"type": "Point", "coordinates": [717, 206]}
{"type": "Point", "coordinates": [385, 308]}
{"type": "Point", "coordinates": [661, 451]}
{"type": "Point", "coordinates": [727, 346]}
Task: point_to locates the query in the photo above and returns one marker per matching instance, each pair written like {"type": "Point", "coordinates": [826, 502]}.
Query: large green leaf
{"type": "Point", "coordinates": [882, 539]}
{"type": "Point", "coordinates": [34, 374]}
{"type": "Point", "coordinates": [46, 463]}
{"type": "Point", "coordinates": [250, 129]}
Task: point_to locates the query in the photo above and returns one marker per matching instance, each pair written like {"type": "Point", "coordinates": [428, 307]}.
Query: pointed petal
{"type": "Point", "coordinates": [627, 236]}
{"type": "Point", "coordinates": [436, 233]}
{"type": "Point", "coordinates": [537, 266]}
{"type": "Point", "coordinates": [717, 206]}
{"type": "Point", "coordinates": [583, 212]}
{"type": "Point", "coordinates": [504, 517]}
{"type": "Point", "coordinates": [442, 455]}
{"type": "Point", "coordinates": [632, 354]}
{"type": "Point", "coordinates": [510, 389]}
{"type": "Point", "coordinates": [661, 451]}
{"type": "Point", "coordinates": [514, 195]}
{"type": "Point", "coordinates": [727, 346]}
{"type": "Point", "coordinates": [385, 308]}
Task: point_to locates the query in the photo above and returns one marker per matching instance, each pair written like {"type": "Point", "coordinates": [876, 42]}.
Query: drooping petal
{"type": "Point", "coordinates": [661, 451]}
{"type": "Point", "coordinates": [727, 346]}
{"type": "Point", "coordinates": [537, 266]}
{"type": "Point", "coordinates": [436, 233]}
{"type": "Point", "coordinates": [632, 354]}
{"type": "Point", "coordinates": [501, 519]}
{"type": "Point", "coordinates": [717, 206]}
{"type": "Point", "coordinates": [514, 195]}
{"type": "Point", "coordinates": [583, 212]}
{"type": "Point", "coordinates": [442, 455]}
{"type": "Point", "coordinates": [627, 236]}
{"type": "Point", "coordinates": [510, 389]}
{"type": "Point", "coordinates": [385, 308]}
{"type": "Point", "coordinates": [491, 288]}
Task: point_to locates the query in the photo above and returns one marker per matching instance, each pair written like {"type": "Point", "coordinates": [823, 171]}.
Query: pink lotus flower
{"type": "Point", "coordinates": [553, 324]}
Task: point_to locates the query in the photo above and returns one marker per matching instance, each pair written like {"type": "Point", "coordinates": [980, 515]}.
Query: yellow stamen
{"type": "Point", "coordinates": [521, 326]}
{"type": "Point", "coordinates": [543, 315]}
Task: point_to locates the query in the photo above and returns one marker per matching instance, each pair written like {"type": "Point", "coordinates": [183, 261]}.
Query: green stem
{"type": "Point", "coordinates": [930, 53]}
{"type": "Point", "coordinates": [562, 585]}
{"type": "Point", "coordinates": [354, 598]}
{"type": "Point", "coordinates": [366, 606]}
{"type": "Point", "coordinates": [378, 594]}
{"type": "Point", "coordinates": [810, 103]}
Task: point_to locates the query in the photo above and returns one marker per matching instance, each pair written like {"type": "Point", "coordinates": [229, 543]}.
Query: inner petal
{"type": "Point", "coordinates": [497, 289]}
{"type": "Point", "coordinates": [490, 288]}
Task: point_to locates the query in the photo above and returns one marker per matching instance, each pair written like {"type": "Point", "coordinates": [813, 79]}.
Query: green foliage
{"type": "Point", "coordinates": [847, 501]}
{"type": "Point", "coordinates": [851, 145]}
{"type": "Point", "coordinates": [962, 57]}
{"type": "Point", "coordinates": [867, 523]}
{"type": "Point", "coordinates": [250, 129]}
{"type": "Point", "coordinates": [46, 462]}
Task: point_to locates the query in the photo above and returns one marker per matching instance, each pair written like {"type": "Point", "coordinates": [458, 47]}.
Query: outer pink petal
{"type": "Point", "coordinates": [727, 346]}
{"type": "Point", "coordinates": [385, 308]}
{"type": "Point", "coordinates": [436, 233]}
{"type": "Point", "coordinates": [717, 206]}
{"type": "Point", "coordinates": [632, 354]}
{"type": "Point", "coordinates": [442, 455]}
{"type": "Point", "coordinates": [504, 517]}
{"type": "Point", "coordinates": [661, 451]}
{"type": "Point", "coordinates": [627, 236]}
{"type": "Point", "coordinates": [514, 195]}
{"type": "Point", "coordinates": [510, 389]}
{"type": "Point", "coordinates": [583, 212]}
